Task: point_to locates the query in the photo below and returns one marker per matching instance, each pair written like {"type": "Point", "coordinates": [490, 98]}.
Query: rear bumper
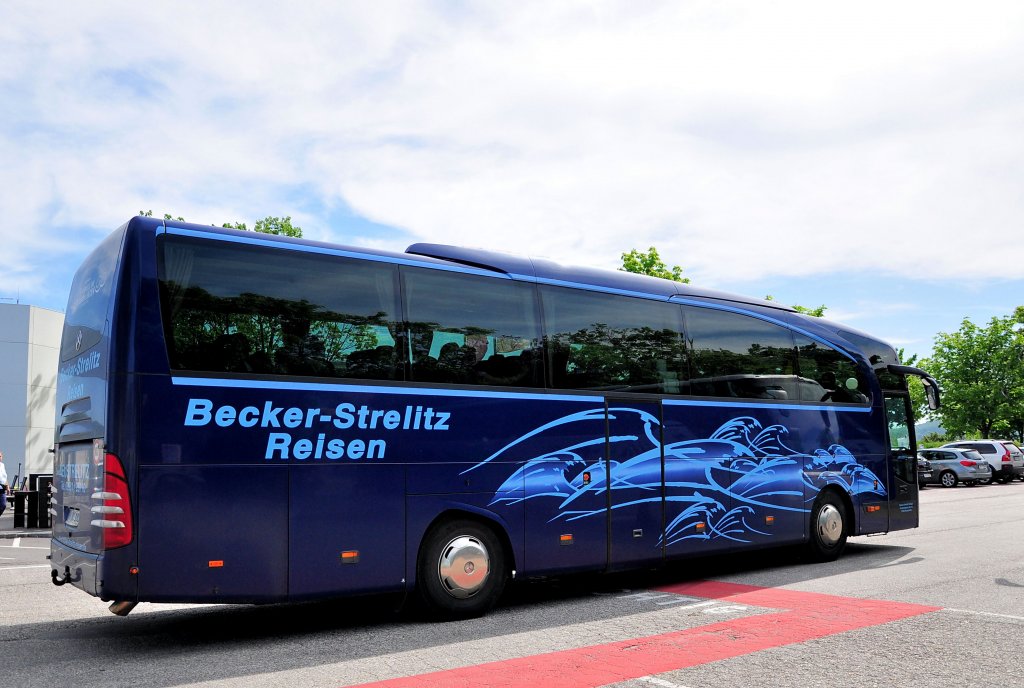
{"type": "Point", "coordinates": [80, 567]}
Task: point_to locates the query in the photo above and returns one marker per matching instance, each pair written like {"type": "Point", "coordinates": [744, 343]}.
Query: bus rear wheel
{"type": "Point", "coordinates": [829, 527]}
{"type": "Point", "coordinates": [461, 570]}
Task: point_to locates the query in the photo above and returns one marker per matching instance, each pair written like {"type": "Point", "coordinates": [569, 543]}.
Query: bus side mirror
{"type": "Point", "coordinates": [932, 393]}
{"type": "Point", "coordinates": [931, 387]}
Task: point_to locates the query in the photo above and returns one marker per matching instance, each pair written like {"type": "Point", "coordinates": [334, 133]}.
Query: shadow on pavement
{"type": "Point", "coordinates": [163, 648]}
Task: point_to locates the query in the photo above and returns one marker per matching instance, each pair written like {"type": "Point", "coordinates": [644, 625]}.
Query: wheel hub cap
{"type": "Point", "coordinates": [463, 566]}
{"type": "Point", "coordinates": [830, 525]}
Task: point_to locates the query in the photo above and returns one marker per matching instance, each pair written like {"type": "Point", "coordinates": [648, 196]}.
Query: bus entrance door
{"type": "Point", "coordinates": [902, 462]}
{"type": "Point", "coordinates": [636, 500]}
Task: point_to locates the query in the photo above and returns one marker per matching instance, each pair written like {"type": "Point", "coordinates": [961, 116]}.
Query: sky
{"type": "Point", "coordinates": [866, 156]}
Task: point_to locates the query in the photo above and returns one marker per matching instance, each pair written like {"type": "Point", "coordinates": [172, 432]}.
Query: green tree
{"type": "Point", "coordinates": [650, 263]}
{"type": "Point", "coordinates": [269, 225]}
{"type": "Point", "coordinates": [167, 216]}
{"type": "Point", "coordinates": [981, 370]}
{"type": "Point", "coordinates": [1012, 425]}
{"type": "Point", "coordinates": [818, 312]}
{"type": "Point", "coordinates": [931, 440]}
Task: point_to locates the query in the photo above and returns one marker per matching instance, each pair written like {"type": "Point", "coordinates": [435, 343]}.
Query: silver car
{"type": "Point", "coordinates": [951, 466]}
{"type": "Point", "coordinates": [1004, 456]}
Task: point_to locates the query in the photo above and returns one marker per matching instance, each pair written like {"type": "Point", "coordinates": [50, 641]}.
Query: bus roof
{"type": "Point", "coordinates": [544, 270]}
{"type": "Point", "coordinates": [514, 266]}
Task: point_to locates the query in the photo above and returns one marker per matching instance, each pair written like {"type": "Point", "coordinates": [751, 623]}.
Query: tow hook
{"type": "Point", "coordinates": [62, 579]}
{"type": "Point", "coordinates": [122, 608]}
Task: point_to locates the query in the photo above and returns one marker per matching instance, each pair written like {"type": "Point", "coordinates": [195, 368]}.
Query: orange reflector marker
{"type": "Point", "coordinates": [586, 477]}
{"type": "Point", "coordinates": [134, 570]}
{"type": "Point", "coordinates": [217, 564]}
{"type": "Point", "coordinates": [769, 520]}
{"type": "Point", "coordinates": [699, 526]}
{"type": "Point", "coordinates": [350, 556]}
{"type": "Point", "coordinates": [565, 539]}
{"type": "Point", "coordinates": [872, 508]}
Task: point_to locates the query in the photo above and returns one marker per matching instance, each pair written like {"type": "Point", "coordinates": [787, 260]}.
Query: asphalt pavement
{"type": "Point", "coordinates": [939, 606]}
{"type": "Point", "coordinates": [8, 531]}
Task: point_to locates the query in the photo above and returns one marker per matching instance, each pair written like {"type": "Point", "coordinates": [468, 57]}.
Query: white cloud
{"type": "Point", "coordinates": [742, 140]}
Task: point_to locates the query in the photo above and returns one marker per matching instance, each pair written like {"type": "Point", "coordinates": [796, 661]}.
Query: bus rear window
{"type": "Point", "coordinates": [235, 308]}
{"type": "Point", "coordinates": [89, 301]}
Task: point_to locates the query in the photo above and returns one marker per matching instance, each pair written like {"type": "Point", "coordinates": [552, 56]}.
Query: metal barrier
{"type": "Point", "coordinates": [32, 507]}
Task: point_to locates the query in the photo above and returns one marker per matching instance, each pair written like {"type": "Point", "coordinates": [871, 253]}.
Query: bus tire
{"type": "Point", "coordinates": [461, 571]}
{"type": "Point", "coordinates": [829, 527]}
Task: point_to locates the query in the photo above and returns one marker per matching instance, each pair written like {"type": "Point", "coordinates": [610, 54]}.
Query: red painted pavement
{"type": "Point", "coordinates": [802, 616]}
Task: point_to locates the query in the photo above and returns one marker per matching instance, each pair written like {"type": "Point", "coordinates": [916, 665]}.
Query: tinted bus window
{"type": "Point", "coordinates": [467, 329]}
{"type": "Point", "coordinates": [233, 308]}
{"type": "Point", "coordinates": [603, 341]}
{"type": "Point", "coordinates": [879, 355]}
{"type": "Point", "coordinates": [837, 377]}
{"type": "Point", "coordinates": [734, 355]}
{"type": "Point", "coordinates": [91, 292]}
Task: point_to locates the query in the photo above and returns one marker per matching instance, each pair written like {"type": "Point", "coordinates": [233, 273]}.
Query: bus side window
{"type": "Point", "coordinates": [837, 378]}
{"type": "Point", "coordinates": [458, 323]}
{"type": "Point", "coordinates": [605, 341]}
{"type": "Point", "coordinates": [739, 356]}
{"type": "Point", "coordinates": [233, 308]}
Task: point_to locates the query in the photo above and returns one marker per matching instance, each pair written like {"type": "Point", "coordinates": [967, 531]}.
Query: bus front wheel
{"type": "Point", "coordinates": [829, 527]}
{"type": "Point", "coordinates": [461, 570]}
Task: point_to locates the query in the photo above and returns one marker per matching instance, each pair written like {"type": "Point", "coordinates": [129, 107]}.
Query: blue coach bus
{"type": "Point", "coordinates": [250, 418]}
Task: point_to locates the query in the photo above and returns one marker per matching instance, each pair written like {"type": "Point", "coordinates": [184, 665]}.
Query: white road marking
{"type": "Point", "coordinates": [12, 568]}
{"type": "Point", "coordinates": [727, 609]}
{"type": "Point", "coordinates": [24, 547]}
{"type": "Point", "coordinates": [977, 613]}
{"type": "Point", "coordinates": [662, 599]}
{"type": "Point", "coordinates": [660, 682]}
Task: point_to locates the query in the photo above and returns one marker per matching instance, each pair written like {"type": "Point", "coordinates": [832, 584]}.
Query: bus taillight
{"type": "Point", "coordinates": [113, 513]}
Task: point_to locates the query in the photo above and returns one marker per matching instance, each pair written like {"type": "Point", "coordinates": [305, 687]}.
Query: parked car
{"type": "Point", "coordinates": [924, 472]}
{"type": "Point", "coordinates": [951, 466]}
{"type": "Point", "coordinates": [1015, 453]}
{"type": "Point", "coordinates": [1006, 458]}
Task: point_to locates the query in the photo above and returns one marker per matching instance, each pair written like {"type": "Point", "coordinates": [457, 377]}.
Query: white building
{"type": "Point", "coordinates": [29, 353]}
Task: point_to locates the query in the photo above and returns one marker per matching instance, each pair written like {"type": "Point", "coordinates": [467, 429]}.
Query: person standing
{"type": "Point", "coordinates": [3, 485]}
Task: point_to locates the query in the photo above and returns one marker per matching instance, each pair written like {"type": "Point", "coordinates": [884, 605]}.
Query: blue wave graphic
{"type": "Point", "coordinates": [742, 464]}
